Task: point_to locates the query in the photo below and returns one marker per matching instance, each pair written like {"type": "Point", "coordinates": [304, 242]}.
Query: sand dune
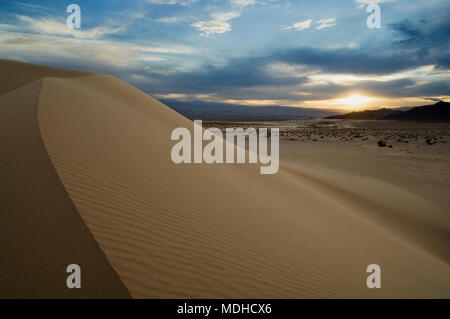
{"type": "Point", "coordinates": [94, 147]}
{"type": "Point", "coordinates": [16, 74]}
{"type": "Point", "coordinates": [41, 230]}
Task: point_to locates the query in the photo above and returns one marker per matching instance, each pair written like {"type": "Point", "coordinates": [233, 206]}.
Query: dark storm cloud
{"type": "Point", "coordinates": [249, 75]}
{"type": "Point", "coordinates": [244, 72]}
{"type": "Point", "coordinates": [428, 39]}
{"type": "Point", "coordinates": [428, 32]}
{"type": "Point", "coordinates": [350, 61]}
{"type": "Point", "coordinates": [411, 32]}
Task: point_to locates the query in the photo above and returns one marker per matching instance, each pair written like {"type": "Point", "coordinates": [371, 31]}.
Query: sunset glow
{"type": "Point", "coordinates": [353, 101]}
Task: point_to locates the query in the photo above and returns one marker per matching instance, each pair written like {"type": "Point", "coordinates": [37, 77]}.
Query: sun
{"type": "Point", "coordinates": [355, 99]}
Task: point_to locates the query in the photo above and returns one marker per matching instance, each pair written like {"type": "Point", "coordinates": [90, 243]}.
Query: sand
{"type": "Point", "coordinates": [41, 230]}
{"type": "Point", "coordinates": [90, 180]}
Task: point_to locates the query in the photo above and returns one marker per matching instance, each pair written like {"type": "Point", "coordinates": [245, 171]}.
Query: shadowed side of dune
{"type": "Point", "coordinates": [41, 230]}
{"type": "Point", "coordinates": [210, 231]}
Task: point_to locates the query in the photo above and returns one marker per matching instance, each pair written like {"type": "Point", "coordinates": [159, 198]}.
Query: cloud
{"type": "Point", "coordinates": [173, 2]}
{"type": "Point", "coordinates": [425, 40]}
{"type": "Point", "coordinates": [410, 30]}
{"type": "Point", "coordinates": [211, 27]}
{"type": "Point", "coordinates": [424, 74]}
{"type": "Point", "coordinates": [42, 47]}
{"type": "Point", "coordinates": [243, 3]}
{"type": "Point", "coordinates": [173, 19]}
{"type": "Point", "coordinates": [326, 23]}
{"type": "Point", "coordinates": [54, 27]}
{"type": "Point", "coordinates": [31, 7]}
{"type": "Point", "coordinates": [46, 37]}
{"type": "Point", "coordinates": [302, 25]}
{"type": "Point", "coordinates": [308, 75]}
{"type": "Point", "coordinates": [44, 40]}
{"type": "Point", "coordinates": [237, 73]}
{"type": "Point", "coordinates": [373, 1]}
{"type": "Point", "coordinates": [347, 60]}
{"type": "Point", "coordinates": [172, 49]}
{"type": "Point", "coordinates": [226, 16]}
{"type": "Point", "coordinates": [219, 23]}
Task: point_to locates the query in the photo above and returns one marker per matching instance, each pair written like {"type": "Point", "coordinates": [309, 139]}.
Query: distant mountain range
{"type": "Point", "coordinates": [367, 115]}
{"type": "Point", "coordinates": [210, 110]}
{"type": "Point", "coordinates": [436, 112]}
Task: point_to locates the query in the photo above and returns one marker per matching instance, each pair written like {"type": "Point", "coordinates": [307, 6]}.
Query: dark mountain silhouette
{"type": "Point", "coordinates": [366, 115]}
{"type": "Point", "coordinates": [437, 112]}
{"type": "Point", "coordinates": [211, 110]}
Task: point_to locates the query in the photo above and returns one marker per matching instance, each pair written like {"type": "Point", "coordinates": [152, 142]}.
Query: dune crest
{"type": "Point", "coordinates": [41, 230]}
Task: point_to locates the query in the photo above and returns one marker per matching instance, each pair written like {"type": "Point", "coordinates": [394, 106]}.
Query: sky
{"type": "Point", "coordinates": [318, 54]}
